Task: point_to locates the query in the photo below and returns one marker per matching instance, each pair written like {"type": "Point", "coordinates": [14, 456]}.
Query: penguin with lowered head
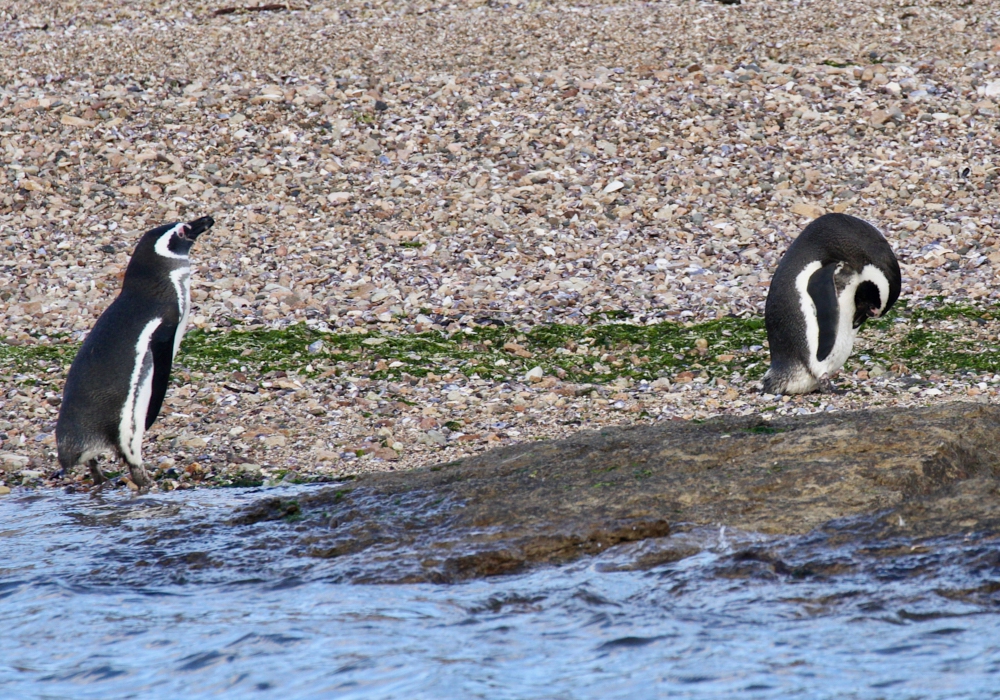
{"type": "Point", "coordinates": [119, 377]}
{"type": "Point", "coordinates": [838, 273]}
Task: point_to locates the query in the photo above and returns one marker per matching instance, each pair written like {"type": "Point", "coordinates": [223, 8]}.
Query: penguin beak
{"type": "Point", "coordinates": [197, 227]}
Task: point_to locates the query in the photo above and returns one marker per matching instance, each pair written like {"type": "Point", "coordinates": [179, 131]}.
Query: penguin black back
{"type": "Point", "coordinates": [839, 272]}
{"type": "Point", "coordinates": [118, 380]}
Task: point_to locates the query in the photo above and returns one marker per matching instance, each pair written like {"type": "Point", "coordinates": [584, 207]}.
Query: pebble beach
{"type": "Point", "coordinates": [481, 173]}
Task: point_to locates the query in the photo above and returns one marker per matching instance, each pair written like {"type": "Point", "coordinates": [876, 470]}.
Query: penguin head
{"type": "Point", "coordinates": [175, 240]}
{"type": "Point", "coordinates": [867, 303]}
{"type": "Point", "coordinates": [162, 249]}
{"type": "Point", "coordinates": [874, 295]}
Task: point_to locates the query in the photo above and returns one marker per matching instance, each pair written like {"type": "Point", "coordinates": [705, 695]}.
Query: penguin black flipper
{"type": "Point", "coordinates": [162, 347]}
{"type": "Point", "coordinates": [822, 290]}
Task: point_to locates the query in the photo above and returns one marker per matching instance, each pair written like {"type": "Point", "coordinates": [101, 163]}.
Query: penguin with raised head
{"type": "Point", "coordinates": [119, 377]}
{"type": "Point", "coordinates": [838, 273]}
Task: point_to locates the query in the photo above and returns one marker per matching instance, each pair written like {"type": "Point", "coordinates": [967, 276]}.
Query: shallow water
{"type": "Point", "coordinates": [94, 605]}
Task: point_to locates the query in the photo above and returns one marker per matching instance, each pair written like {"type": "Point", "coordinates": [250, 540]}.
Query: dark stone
{"type": "Point", "coordinates": [267, 509]}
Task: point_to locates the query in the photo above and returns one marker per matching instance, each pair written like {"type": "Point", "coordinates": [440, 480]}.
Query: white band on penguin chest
{"type": "Point", "coordinates": [809, 309]}
{"type": "Point", "coordinates": [181, 279]}
{"type": "Point", "coordinates": [845, 331]}
{"type": "Point", "coordinates": [133, 418]}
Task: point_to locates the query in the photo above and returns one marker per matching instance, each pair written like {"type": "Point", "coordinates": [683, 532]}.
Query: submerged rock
{"type": "Point", "coordinates": [914, 473]}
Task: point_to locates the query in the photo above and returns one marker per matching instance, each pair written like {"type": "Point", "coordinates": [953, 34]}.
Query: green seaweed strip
{"type": "Point", "coordinates": [920, 337]}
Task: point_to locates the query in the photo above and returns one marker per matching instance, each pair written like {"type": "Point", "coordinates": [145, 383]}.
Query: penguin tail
{"type": "Point", "coordinates": [69, 455]}
{"type": "Point", "coordinates": [788, 379]}
{"type": "Point", "coordinates": [778, 379]}
{"type": "Point", "coordinates": [75, 447]}
{"type": "Point", "coordinates": [770, 384]}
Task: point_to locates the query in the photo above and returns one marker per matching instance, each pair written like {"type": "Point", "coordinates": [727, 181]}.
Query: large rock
{"type": "Point", "coordinates": [915, 473]}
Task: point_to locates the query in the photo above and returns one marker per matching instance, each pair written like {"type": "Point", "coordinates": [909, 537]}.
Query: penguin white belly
{"type": "Point", "coordinates": [94, 451]}
{"type": "Point", "coordinates": [846, 334]}
{"type": "Point", "coordinates": [140, 390]}
{"type": "Point", "coordinates": [181, 279]}
{"type": "Point", "coordinates": [841, 350]}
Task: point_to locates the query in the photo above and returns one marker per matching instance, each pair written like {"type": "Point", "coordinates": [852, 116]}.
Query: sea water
{"type": "Point", "coordinates": [97, 602]}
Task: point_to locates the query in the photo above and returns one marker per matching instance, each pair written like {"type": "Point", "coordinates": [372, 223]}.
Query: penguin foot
{"type": "Point", "coordinates": [825, 385]}
{"type": "Point", "coordinates": [140, 477]}
{"type": "Point", "coordinates": [96, 474]}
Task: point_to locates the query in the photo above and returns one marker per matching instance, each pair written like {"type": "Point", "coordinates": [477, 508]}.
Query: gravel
{"type": "Point", "coordinates": [400, 167]}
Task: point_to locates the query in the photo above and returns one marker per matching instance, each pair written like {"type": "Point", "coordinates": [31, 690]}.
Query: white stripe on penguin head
{"type": "Point", "coordinates": [872, 274]}
{"type": "Point", "coordinates": [162, 246]}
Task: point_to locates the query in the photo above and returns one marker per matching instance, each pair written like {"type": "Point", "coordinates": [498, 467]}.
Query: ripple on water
{"type": "Point", "coordinates": [119, 598]}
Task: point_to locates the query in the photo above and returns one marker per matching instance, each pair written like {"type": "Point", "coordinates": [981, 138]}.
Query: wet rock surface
{"type": "Point", "coordinates": [879, 475]}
